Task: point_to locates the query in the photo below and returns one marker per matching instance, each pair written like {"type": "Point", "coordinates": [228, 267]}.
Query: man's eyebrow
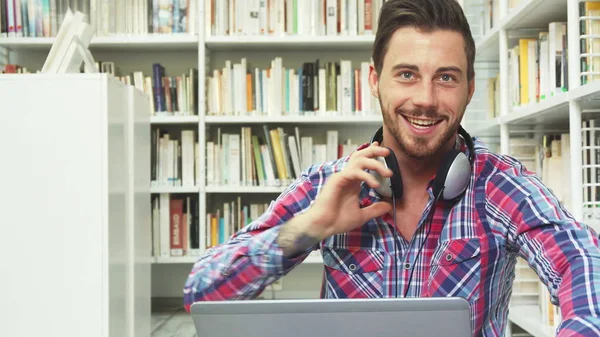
{"type": "Point", "coordinates": [405, 66]}
{"type": "Point", "coordinates": [415, 68]}
{"type": "Point", "coordinates": [450, 68]}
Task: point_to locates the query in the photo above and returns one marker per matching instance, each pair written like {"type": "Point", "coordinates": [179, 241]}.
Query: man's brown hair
{"type": "Point", "coordinates": [426, 15]}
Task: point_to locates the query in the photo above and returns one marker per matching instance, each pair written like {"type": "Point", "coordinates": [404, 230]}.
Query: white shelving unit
{"type": "Point", "coordinates": [78, 196]}
{"type": "Point", "coordinates": [204, 52]}
{"type": "Point", "coordinates": [528, 318]}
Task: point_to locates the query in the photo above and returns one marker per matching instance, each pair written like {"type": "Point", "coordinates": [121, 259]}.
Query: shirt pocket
{"type": "Point", "coordinates": [353, 273]}
{"type": "Point", "coordinates": [456, 269]}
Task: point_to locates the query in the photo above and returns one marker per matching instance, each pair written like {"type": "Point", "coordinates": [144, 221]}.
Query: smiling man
{"type": "Point", "coordinates": [423, 209]}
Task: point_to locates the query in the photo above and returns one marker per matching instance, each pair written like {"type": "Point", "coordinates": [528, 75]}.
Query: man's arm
{"type": "Point", "coordinates": [563, 252]}
{"type": "Point", "coordinates": [258, 254]}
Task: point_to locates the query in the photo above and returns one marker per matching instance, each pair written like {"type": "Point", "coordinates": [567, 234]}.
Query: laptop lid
{"type": "Point", "coordinates": [414, 317]}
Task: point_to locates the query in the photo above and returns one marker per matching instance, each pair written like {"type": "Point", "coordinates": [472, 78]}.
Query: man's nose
{"type": "Point", "coordinates": [425, 96]}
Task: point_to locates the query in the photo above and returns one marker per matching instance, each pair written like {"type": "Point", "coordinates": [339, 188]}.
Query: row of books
{"type": "Point", "coordinates": [41, 18]}
{"type": "Point", "coordinates": [224, 221]}
{"type": "Point", "coordinates": [292, 17]}
{"type": "Point", "coordinates": [538, 66]}
{"type": "Point", "coordinates": [175, 225]}
{"type": "Point", "coordinates": [336, 88]}
{"type": "Point", "coordinates": [175, 159]}
{"type": "Point", "coordinates": [12, 68]}
{"type": "Point", "coordinates": [275, 158]}
{"type": "Point", "coordinates": [490, 13]}
{"type": "Point", "coordinates": [170, 95]}
{"type": "Point", "coordinates": [34, 18]}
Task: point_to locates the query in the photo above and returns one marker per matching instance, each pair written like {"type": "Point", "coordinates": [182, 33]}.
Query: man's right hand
{"type": "Point", "coordinates": [337, 207]}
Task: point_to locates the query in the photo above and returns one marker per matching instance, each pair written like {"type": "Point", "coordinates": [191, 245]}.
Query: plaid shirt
{"type": "Point", "coordinates": [470, 252]}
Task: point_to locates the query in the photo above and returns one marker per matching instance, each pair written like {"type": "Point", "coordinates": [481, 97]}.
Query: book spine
{"type": "Point", "coordinates": [3, 19]}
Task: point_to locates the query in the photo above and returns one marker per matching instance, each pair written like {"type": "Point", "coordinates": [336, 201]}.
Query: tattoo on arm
{"type": "Point", "coordinates": [293, 240]}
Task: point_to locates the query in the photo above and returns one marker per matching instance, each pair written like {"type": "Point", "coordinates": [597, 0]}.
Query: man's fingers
{"type": "Point", "coordinates": [371, 164]}
{"type": "Point", "coordinates": [374, 150]}
{"type": "Point", "coordinates": [359, 175]}
{"type": "Point", "coordinates": [375, 210]}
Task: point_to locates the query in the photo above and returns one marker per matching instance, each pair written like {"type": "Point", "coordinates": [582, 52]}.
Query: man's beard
{"type": "Point", "coordinates": [419, 148]}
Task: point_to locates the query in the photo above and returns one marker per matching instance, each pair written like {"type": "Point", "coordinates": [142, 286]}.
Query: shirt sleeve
{"type": "Point", "coordinates": [562, 251]}
{"type": "Point", "coordinates": [243, 266]}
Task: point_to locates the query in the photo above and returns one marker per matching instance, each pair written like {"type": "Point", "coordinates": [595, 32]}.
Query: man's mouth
{"type": "Point", "coordinates": [422, 123]}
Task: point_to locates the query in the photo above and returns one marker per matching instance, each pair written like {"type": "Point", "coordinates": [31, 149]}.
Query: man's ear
{"type": "Point", "coordinates": [373, 79]}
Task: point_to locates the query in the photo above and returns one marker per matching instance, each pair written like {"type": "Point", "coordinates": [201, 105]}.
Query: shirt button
{"type": "Point", "coordinates": [449, 257]}
{"type": "Point", "coordinates": [407, 265]}
{"type": "Point", "coordinates": [267, 258]}
{"type": "Point", "coordinates": [352, 267]}
{"type": "Point", "coordinates": [225, 272]}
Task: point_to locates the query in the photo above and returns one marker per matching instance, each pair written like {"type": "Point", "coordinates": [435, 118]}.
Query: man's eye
{"type": "Point", "coordinates": [446, 78]}
{"type": "Point", "coordinates": [406, 75]}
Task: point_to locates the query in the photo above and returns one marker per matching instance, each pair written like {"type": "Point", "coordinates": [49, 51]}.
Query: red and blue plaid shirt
{"type": "Point", "coordinates": [470, 252]}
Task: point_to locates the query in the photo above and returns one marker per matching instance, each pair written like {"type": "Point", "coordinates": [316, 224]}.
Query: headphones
{"type": "Point", "coordinates": [450, 183]}
{"type": "Point", "coordinates": [451, 180]}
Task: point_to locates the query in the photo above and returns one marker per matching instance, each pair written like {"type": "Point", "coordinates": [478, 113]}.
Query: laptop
{"type": "Point", "coordinates": [382, 317]}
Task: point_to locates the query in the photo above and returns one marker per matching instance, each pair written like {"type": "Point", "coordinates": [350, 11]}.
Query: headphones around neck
{"type": "Point", "coordinates": [451, 179]}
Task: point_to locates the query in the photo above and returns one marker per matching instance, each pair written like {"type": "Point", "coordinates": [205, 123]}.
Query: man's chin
{"type": "Point", "coordinates": [422, 149]}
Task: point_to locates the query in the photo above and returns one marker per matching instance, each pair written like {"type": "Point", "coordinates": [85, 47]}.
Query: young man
{"type": "Point", "coordinates": [452, 227]}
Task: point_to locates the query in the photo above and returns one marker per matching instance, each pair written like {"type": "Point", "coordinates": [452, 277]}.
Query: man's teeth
{"type": "Point", "coordinates": [421, 124]}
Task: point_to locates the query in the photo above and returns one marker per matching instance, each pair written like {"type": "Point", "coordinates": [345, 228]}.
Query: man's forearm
{"type": "Point", "coordinates": [295, 236]}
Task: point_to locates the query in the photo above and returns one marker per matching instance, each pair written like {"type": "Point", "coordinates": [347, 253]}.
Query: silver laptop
{"type": "Point", "coordinates": [413, 317]}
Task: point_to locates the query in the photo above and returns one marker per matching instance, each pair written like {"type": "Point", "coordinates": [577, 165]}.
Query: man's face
{"type": "Point", "coordinates": [423, 89]}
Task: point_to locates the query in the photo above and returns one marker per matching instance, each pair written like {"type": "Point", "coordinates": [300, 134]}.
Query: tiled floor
{"type": "Point", "coordinates": [172, 321]}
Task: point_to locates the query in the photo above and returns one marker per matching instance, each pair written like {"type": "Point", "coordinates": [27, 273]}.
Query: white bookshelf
{"type": "Point", "coordinates": [346, 120]}
{"type": "Point", "coordinates": [282, 43]}
{"type": "Point", "coordinates": [313, 258]}
{"type": "Point", "coordinates": [147, 42]}
{"type": "Point", "coordinates": [79, 196]}
{"type": "Point", "coordinates": [528, 318]}
{"type": "Point", "coordinates": [174, 119]}
{"type": "Point", "coordinates": [204, 52]}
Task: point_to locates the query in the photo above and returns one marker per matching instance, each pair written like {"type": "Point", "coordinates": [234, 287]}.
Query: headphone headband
{"type": "Point", "coordinates": [452, 177]}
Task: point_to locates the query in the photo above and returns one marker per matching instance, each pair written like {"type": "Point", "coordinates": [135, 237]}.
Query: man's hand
{"type": "Point", "coordinates": [337, 207]}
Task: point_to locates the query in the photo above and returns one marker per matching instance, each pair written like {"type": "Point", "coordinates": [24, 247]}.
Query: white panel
{"type": "Point", "coordinates": [139, 235]}
{"type": "Point", "coordinates": [62, 211]}
{"type": "Point", "coordinates": [51, 206]}
{"type": "Point", "coordinates": [117, 104]}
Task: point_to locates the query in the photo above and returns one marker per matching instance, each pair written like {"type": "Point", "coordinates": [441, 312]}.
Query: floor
{"type": "Point", "coordinates": [171, 321]}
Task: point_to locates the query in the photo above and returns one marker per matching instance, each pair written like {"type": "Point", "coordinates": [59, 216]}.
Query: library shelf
{"type": "Point", "coordinates": [529, 14]}
{"type": "Point", "coordinates": [535, 13]}
{"type": "Point", "coordinates": [487, 47]}
{"type": "Point", "coordinates": [289, 42]}
{"type": "Point", "coordinates": [174, 189]}
{"type": "Point", "coordinates": [375, 119]}
{"type": "Point", "coordinates": [550, 111]}
{"type": "Point", "coordinates": [174, 119]}
{"type": "Point", "coordinates": [243, 189]}
{"type": "Point", "coordinates": [587, 95]}
{"type": "Point", "coordinates": [313, 258]}
{"type": "Point", "coordinates": [138, 42]}
{"type": "Point", "coordinates": [175, 259]}
{"type": "Point", "coordinates": [528, 318]}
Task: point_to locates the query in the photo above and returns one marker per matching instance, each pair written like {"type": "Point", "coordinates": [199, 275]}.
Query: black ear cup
{"type": "Point", "coordinates": [396, 179]}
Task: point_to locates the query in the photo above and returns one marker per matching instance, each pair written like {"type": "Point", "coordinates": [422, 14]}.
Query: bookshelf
{"type": "Point", "coordinates": [511, 20]}
{"type": "Point", "coordinates": [85, 173]}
